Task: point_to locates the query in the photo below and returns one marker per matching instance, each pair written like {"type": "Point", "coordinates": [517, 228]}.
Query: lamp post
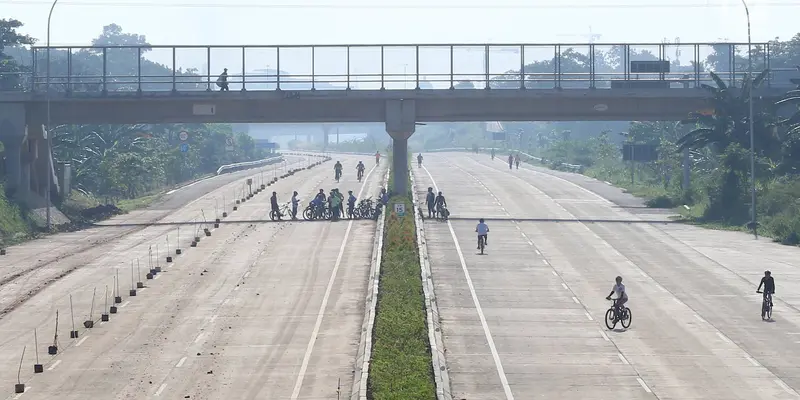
{"type": "Point", "coordinates": [750, 118]}
{"type": "Point", "coordinates": [47, 129]}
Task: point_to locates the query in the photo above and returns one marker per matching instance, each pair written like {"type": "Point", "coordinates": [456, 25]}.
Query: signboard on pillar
{"type": "Point", "coordinates": [400, 209]}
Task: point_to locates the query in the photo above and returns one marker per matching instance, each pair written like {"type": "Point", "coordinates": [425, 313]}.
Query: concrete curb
{"type": "Point", "coordinates": [364, 355]}
{"type": "Point", "coordinates": [440, 372]}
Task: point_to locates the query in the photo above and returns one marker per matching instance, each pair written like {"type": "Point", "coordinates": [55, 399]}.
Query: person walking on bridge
{"type": "Point", "coordinates": [510, 161]}
{"type": "Point", "coordinates": [516, 160]}
{"type": "Point", "coordinates": [222, 81]}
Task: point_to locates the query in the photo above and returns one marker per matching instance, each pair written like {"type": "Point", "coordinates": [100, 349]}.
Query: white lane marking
{"type": "Point", "coordinates": [180, 363]}
{"type": "Point", "coordinates": [236, 288]}
{"type": "Point", "coordinates": [644, 385]}
{"type": "Point", "coordinates": [55, 364]}
{"type": "Point", "coordinates": [161, 389]}
{"type": "Point", "coordinates": [80, 342]}
{"type": "Point", "coordinates": [225, 301]}
{"type": "Point", "coordinates": [785, 387]}
{"type": "Point", "coordinates": [623, 359]}
{"type": "Point", "coordinates": [589, 316]}
{"type": "Point", "coordinates": [213, 317]}
{"type": "Point", "coordinates": [723, 337]}
{"type": "Point", "coordinates": [752, 361]}
{"type": "Point", "coordinates": [699, 318]}
{"type": "Point", "coordinates": [481, 316]}
{"type": "Point", "coordinates": [564, 285]}
{"type": "Point", "coordinates": [537, 251]}
{"type": "Point", "coordinates": [157, 276]}
{"type": "Point", "coordinates": [125, 304]}
{"type": "Point", "coordinates": [546, 262]}
{"type": "Point", "coordinates": [142, 289]}
{"type": "Point", "coordinates": [554, 272]}
{"type": "Point", "coordinates": [200, 336]}
{"type": "Point", "coordinates": [298, 384]}
{"type": "Point", "coordinates": [247, 274]}
{"type": "Point", "coordinates": [603, 334]}
{"type": "Point", "coordinates": [575, 299]}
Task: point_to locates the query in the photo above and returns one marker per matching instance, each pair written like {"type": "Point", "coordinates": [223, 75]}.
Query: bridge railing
{"type": "Point", "coordinates": [391, 67]}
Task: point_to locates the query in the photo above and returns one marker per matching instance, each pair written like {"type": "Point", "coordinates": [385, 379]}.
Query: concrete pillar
{"type": "Point", "coordinates": [12, 134]}
{"type": "Point", "coordinates": [401, 120]}
{"type": "Point", "coordinates": [326, 131]}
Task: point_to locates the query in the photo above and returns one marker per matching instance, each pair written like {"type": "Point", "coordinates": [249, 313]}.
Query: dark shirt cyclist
{"type": "Point", "coordinates": [441, 206]}
{"type": "Point", "coordinates": [430, 200]}
{"type": "Point", "coordinates": [769, 286]}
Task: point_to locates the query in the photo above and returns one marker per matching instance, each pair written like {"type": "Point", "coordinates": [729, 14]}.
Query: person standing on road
{"type": "Point", "coordinates": [335, 205]}
{"type": "Point", "coordinates": [295, 203]}
{"type": "Point", "coordinates": [510, 161]}
{"type": "Point", "coordinates": [430, 200]}
{"type": "Point", "coordinates": [516, 160]}
{"type": "Point", "coordinates": [274, 203]}
{"type": "Point", "coordinates": [351, 203]}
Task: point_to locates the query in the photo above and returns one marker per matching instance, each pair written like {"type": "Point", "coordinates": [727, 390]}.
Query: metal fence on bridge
{"type": "Point", "coordinates": [391, 67]}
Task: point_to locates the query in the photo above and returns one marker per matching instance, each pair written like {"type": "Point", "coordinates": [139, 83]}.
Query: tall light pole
{"type": "Point", "coordinates": [750, 118]}
{"type": "Point", "coordinates": [47, 129]}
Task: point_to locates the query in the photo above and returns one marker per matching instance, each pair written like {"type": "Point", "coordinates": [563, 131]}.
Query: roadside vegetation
{"type": "Point", "coordinates": [401, 367]}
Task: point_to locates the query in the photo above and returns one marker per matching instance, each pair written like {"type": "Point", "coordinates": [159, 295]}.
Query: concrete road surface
{"type": "Point", "coordinates": [526, 320]}
{"type": "Point", "coordinates": [259, 310]}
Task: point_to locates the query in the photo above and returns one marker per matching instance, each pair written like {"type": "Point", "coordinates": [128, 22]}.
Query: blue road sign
{"type": "Point", "coordinates": [184, 147]}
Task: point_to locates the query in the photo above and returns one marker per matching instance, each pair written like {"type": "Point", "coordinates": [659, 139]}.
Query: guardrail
{"type": "Point", "coordinates": [524, 156]}
{"type": "Point", "coordinates": [103, 69]}
{"type": "Point", "coordinates": [249, 164]}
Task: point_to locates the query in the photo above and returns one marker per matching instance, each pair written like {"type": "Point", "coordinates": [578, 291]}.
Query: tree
{"type": "Point", "coordinates": [10, 70]}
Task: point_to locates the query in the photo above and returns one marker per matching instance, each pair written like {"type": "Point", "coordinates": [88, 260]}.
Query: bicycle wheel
{"type": "Point", "coordinates": [611, 321]}
{"type": "Point", "coordinates": [626, 322]}
{"type": "Point", "coordinates": [273, 215]}
{"type": "Point", "coordinates": [308, 215]}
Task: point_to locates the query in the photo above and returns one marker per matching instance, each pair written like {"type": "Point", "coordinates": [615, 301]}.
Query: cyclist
{"type": "Point", "coordinates": [335, 204]}
{"type": "Point", "coordinates": [351, 203]}
{"type": "Point", "coordinates": [419, 160]}
{"type": "Point", "coordinates": [516, 160]}
{"type": "Point", "coordinates": [769, 286]}
{"type": "Point", "coordinates": [430, 200]}
{"type": "Point", "coordinates": [622, 296]}
{"type": "Point", "coordinates": [441, 203]}
{"type": "Point", "coordinates": [377, 157]}
{"type": "Point", "coordinates": [319, 203]}
{"type": "Point", "coordinates": [295, 203]}
{"type": "Point", "coordinates": [483, 233]}
{"type": "Point", "coordinates": [510, 160]}
{"type": "Point", "coordinates": [274, 203]}
{"type": "Point", "coordinates": [337, 170]}
{"type": "Point", "coordinates": [360, 170]}
{"type": "Point", "coordinates": [493, 154]}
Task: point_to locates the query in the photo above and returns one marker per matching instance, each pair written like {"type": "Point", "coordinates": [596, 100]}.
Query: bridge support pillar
{"type": "Point", "coordinates": [326, 131]}
{"type": "Point", "coordinates": [401, 122]}
{"type": "Point", "coordinates": [13, 136]}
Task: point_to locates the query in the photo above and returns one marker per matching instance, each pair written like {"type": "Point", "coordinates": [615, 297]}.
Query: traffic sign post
{"type": "Point", "coordinates": [184, 147]}
{"type": "Point", "coordinates": [229, 143]}
{"type": "Point", "coordinates": [400, 209]}
{"type": "Point", "coordinates": [183, 136]}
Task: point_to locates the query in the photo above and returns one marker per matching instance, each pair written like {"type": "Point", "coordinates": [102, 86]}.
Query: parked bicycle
{"type": "Point", "coordinates": [311, 212]}
{"type": "Point", "coordinates": [283, 210]}
{"type": "Point", "coordinates": [442, 213]}
{"type": "Point", "coordinates": [618, 314]}
{"type": "Point", "coordinates": [766, 306]}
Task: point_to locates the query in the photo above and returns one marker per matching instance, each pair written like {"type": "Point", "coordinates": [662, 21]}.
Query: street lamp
{"type": "Point", "coordinates": [47, 131]}
{"type": "Point", "coordinates": [752, 134]}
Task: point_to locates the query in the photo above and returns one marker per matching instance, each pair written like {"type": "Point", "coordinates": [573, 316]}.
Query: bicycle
{"type": "Point", "coordinates": [766, 306]}
{"type": "Point", "coordinates": [283, 209]}
{"type": "Point", "coordinates": [338, 175]}
{"type": "Point", "coordinates": [360, 175]}
{"type": "Point", "coordinates": [442, 213]}
{"type": "Point", "coordinates": [613, 316]}
{"type": "Point", "coordinates": [481, 242]}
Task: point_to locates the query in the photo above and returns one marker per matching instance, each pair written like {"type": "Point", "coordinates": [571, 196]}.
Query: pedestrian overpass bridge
{"type": "Point", "coordinates": [399, 85]}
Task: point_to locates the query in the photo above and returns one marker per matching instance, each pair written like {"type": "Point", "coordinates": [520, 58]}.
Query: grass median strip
{"type": "Point", "coordinates": [401, 358]}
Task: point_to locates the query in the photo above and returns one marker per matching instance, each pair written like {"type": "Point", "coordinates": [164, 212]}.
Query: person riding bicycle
{"type": "Point", "coordinates": [441, 205]}
{"type": "Point", "coordinates": [360, 169]}
{"type": "Point", "coordinates": [419, 160]}
{"type": "Point", "coordinates": [337, 169]}
{"type": "Point", "coordinates": [510, 160]}
{"type": "Point", "coordinates": [274, 203]}
{"type": "Point", "coordinates": [319, 203]}
{"type": "Point", "coordinates": [483, 233]}
{"type": "Point", "coordinates": [769, 286]}
{"type": "Point", "coordinates": [295, 203]}
{"type": "Point", "coordinates": [430, 200]}
{"type": "Point", "coordinates": [622, 296]}
{"type": "Point", "coordinates": [351, 202]}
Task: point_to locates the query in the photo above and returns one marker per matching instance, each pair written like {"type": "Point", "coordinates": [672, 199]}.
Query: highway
{"type": "Point", "coordinates": [259, 310]}
{"type": "Point", "coordinates": [526, 320]}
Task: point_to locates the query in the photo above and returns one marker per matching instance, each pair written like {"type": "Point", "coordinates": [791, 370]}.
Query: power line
{"type": "Point", "coordinates": [90, 3]}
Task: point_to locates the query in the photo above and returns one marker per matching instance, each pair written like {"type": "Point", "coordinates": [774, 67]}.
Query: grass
{"type": "Point", "coordinates": [129, 205]}
{"type": "Point", "coordinates": [401, 367]}
{"type": "Point", "coordinates": [14, 228]}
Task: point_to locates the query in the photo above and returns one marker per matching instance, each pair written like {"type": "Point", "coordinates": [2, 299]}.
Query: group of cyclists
{"type": "Point", "coordinates": [333, 201]}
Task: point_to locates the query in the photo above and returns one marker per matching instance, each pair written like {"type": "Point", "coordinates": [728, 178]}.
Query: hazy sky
{"type": "Point", "coordinates": [166, 22]}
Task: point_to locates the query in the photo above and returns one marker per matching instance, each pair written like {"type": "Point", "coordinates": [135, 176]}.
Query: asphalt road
{"type": "Point", "coordinates": [258, 310]}
{"type": "Point", "coordinates": [526, 320]}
